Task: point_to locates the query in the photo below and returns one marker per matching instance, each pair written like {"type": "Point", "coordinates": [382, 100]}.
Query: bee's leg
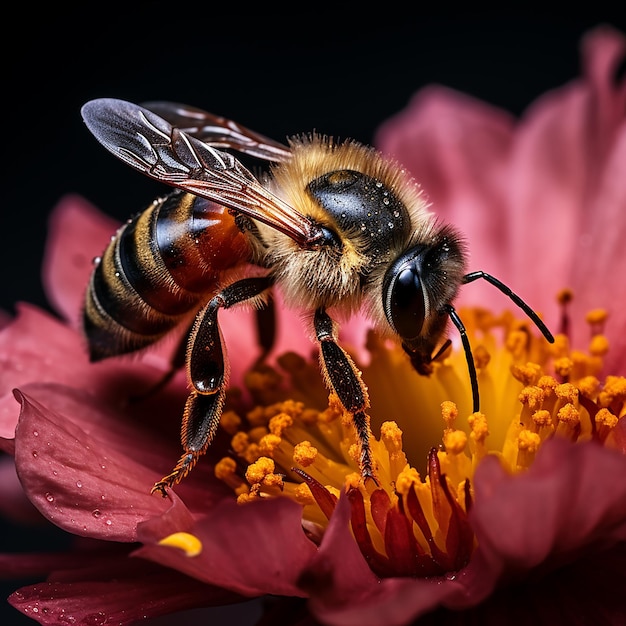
{"type": "Point", "coordinates": [207, 372]}
{"type": "Point", "coordinates": [343, 377]}
{"type": "Point", "coordinates": [266, 329]}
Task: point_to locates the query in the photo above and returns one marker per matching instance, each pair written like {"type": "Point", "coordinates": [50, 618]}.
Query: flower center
{"type": "Point", "coordinates": [300, 444]}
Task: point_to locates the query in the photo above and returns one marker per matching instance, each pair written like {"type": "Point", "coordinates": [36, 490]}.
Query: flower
{"type": "Point", "coordinates": [519, 510]}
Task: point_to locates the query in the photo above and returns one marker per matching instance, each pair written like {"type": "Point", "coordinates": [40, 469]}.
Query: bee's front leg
{"type": "Point", "coordinates": [343, 377]}
{"type": "Point", "coordinates": [207, 371]}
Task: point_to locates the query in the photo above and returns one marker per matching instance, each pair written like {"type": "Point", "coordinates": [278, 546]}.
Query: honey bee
{"type": "Point", "coordinates": [335, 226]}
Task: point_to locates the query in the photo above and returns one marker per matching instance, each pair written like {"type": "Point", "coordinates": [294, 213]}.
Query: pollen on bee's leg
{"type": "Point", "coordinates": [188, 543]}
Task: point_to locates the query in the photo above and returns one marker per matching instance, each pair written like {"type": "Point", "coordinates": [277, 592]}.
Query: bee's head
{"type": "Point", "coordinates": [417, 287]}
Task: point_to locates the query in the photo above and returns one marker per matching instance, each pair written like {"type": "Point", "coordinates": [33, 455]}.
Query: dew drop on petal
{"type": "Point", "coordinates": [35, 433]}
{"type": "Point", "coordinates": [49, 497]}
{"type": "Point", "coordinates": [96, 513]}
{"type": "Point", "coordinates": [79, 484]}
{"type": "Point", "coordinates": [95, 619]}
{"type": "Point", "coordinates": [35, 454]}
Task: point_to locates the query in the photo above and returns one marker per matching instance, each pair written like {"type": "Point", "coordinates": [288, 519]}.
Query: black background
{"type": "Point", "coordinates": [337, 73]}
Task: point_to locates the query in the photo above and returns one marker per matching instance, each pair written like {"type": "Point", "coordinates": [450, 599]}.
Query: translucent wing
{"type": "Point", "coordinates": [153, 146]}
{"type": "Point", "coordinates": [218, 131]}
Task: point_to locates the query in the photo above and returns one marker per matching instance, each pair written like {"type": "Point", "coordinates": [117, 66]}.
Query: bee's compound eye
{"type": "Point", "coordinates": [405, 306]}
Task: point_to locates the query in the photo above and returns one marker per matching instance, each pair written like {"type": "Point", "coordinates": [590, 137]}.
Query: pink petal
{"type": "Point", "coordinates": [561, 150]}
{"type": "Point", "coordinates": [541, 192]}
{"type": "Point", "coordinates": [569, 502]}
{"type": "Point", "coordinates": [253, 549]}
{"type": "Point", "coordinates": [78, 233]}
{"type": "Point", "coordinates": [36, 347]}
{"type": "Point", "coordinates": [74, 476]}
{"type": "Point", "coordinates": [596, 281]}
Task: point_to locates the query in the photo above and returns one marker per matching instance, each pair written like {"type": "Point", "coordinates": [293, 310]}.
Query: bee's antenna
{"type": "Point", "coordinates": [472, 276]}
{"type": "Point", "coordinates": [469, 357]}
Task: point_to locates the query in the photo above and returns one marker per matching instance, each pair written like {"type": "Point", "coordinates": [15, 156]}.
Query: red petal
{"type": "Point", "coordinates": [253, 549]}
{"type": "Point", "coordinates": [124, 592]}
{"type": "Point", "coordinates": [74, 476]}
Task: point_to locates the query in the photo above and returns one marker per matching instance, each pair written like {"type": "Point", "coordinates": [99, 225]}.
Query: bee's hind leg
{"type": "Point", "coordinates": [343, 377]}
{"type": "Point", "coordinates": [207, 372]}
{"type": "Point", "coordinates": [266, 329]}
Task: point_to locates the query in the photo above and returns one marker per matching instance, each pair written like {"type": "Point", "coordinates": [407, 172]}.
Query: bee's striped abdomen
{"type": "Point", "coordinates": [157, 269]}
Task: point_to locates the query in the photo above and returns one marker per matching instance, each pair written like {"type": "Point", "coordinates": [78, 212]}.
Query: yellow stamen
{"type": "Point", "coordinates": [188, 543]}
{"type": "Point", "coordinates": [307, 449]}
{"type": "Point", "coordinates": [304, 454]}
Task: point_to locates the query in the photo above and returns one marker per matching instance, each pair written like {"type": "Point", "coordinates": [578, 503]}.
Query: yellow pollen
{"type": "Point", "coordinates": [528, 441]}
{"type": "Point", "coordinates": [563, 366]}
{"type": "Point", "coordinates": [230, 422]}
{"type": "Point", "coordinates": [527, 374]}
{"type": "Point", "coordinates": [242, 498]}
{"type": "Point", "coordinates": [542, 418]}
{"type": "Point", "coordinates": [354, 452]}
{"type": "Point", "coordinates": [304, 454]}
{"type": "Point", "coordinates": [478, 424]}
{"type": "Point", "coordinates": [568, 414]}
{"type": "Point", "coordinates": [188, 543]}
{"type": "Point", "coordinates": [303, 495]}
{"type": "Point", "coordinates": [547, 384]}
{"type": "Point", "coordinates": [517, 342]}
{"type": "Point", "coordinates": [406, 479]}
{"type": "Point", "coordinates": [353, 481]}
{"type": "Point", "coordinates": [334, 410]}
{"type": "Point", "coordinates": [599, 345]}
{"type": "Point", "coordinates": [604, 417]}
{"type": "Point", "coordinates": [567, 392]}
{"type": "Point", "coordinates": [257, 416]}
{"type": "Point", "coordinates": [259, 470]}
{"type": "Point", "coordinates": [391, 436]}
{"type": "Point", "coordinates": [279, 422]}
{"type": "Point", "coordinates": [455, 441]}
{"type": "Point", "coordinates": [268, 444]}
{"type": "Point", "coordinates": [449, 412]}
{"type": "Point", "coordinates": [481, 357]}
{"type": "Point", "coordinates": [532, 397]}
{"type": "Point", "coordinates": [597, 316]}
{"type": "Point", "coordinates": [588, 386]}
{"type": "Point", "coordinates": [560, 347]}
{"type": "Point", "coordinates": [240, 441]}
{"type": "Point", "coordinates": [225, 468]}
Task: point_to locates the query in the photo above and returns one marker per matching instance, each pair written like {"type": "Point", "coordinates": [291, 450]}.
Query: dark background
{"type": "Point", "coordinates": [340, 74]}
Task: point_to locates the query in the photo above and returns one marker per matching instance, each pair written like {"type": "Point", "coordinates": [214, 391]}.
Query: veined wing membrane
{"type": "Point", "coordinates": [150, 144]}
{"type": "Point", "coordinates": [218, 131]}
